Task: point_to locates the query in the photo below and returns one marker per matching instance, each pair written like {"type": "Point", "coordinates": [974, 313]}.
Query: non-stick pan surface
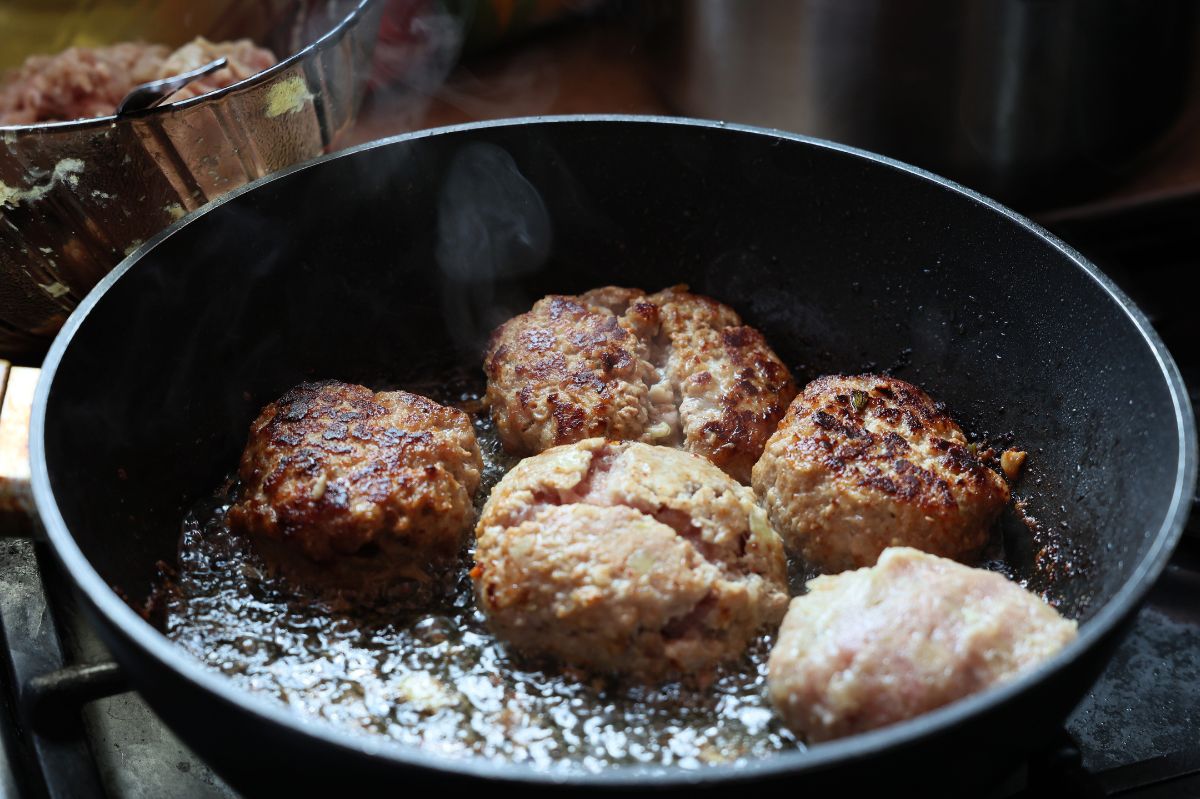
{"type": "Point", "coordinates": [398, 255]}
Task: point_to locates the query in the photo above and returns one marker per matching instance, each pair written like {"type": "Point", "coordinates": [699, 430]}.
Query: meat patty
{"type": "Point", "coordinates": [671, 368]}
{"type": "Point", "coordinates": [355, 491]}
{"type": "Point", "coordinates": [626, 558]}
{"type": "Point", "coordinates": [863, 463]}
{"type": "Point", "coordinates": [868, 648]}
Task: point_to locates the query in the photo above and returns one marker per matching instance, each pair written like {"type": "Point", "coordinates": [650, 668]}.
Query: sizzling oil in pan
{"type": "Point", "coordinates": [437, 678]}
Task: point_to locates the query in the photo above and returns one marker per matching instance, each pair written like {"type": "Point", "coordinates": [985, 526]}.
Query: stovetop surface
{"type": "Point", "coordinates": [1139, 722]}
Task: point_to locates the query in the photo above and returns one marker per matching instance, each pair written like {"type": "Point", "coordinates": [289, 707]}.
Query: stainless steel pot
{"type": "Point", "coordinates": [1029, 100]}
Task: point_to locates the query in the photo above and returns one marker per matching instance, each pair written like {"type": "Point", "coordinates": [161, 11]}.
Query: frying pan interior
{"type": "Point", "coordinates": [404, 256]}
{"type": "Point", "coordinates": [395, 259]}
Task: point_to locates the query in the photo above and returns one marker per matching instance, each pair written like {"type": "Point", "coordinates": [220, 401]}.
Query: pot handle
{"type": "Point", "coordinates": [53, 700]}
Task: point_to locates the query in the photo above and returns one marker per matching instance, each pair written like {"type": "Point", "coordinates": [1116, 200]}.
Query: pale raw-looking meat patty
{"type": "Point", "coordinates": [627, 558]}
{"type": "Point", "coordinates": [871, 647]}
{"type": "Point", "coordinates": [357, 492]}
{"type": "Point", "coordinates": [86, 82]}
{"type": "Point", "coordinates": [863, 463]}
{"type": "Point", "coordinates": [671, 368]}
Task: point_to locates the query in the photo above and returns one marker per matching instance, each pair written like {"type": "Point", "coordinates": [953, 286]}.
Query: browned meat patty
{"type": "Point", "coordinates": [621, 557]}
{"type": "Point", "coordinates": [863, 463]}
{"type": "Point", "coordinates": [355, 491]}
{"type": "Point", "coordinates": [868, 648]}
{"type": "Point", "coordinates": [85, 82]}
{"type": "Point", "coordinates": [671, 368]}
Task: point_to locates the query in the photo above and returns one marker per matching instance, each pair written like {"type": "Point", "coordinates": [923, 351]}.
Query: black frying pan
{"type": "Point", "coordinates": [404, 253]}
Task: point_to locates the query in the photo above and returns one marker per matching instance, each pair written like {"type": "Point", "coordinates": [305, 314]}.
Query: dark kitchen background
{"type": "Point", "coordinates": [1083, 114]}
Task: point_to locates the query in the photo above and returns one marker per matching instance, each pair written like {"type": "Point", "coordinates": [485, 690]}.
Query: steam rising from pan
{"type": "Point", "coordinates": [492, 227]}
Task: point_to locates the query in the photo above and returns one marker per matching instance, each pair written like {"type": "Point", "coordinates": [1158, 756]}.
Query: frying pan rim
{"type": "Point", "coordinates": [167, 654]}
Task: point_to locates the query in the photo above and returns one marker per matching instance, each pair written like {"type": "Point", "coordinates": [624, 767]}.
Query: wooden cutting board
{"type": "Point", "coordinates": [17, 384]}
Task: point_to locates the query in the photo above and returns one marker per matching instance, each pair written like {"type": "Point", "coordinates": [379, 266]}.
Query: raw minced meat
{"type": "Point", "coordinates": [87, 82]}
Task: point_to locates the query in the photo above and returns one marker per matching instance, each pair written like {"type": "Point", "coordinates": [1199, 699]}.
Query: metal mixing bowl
{"type": "Point", "coordinates": [77, 197]}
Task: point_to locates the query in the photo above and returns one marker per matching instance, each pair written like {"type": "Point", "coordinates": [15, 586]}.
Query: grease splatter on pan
{"type": "Point", "coordinates": [436, 678]}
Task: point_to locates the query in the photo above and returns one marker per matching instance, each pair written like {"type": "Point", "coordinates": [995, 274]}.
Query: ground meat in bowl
{"type": "Point", "coordinates": [87, 82]}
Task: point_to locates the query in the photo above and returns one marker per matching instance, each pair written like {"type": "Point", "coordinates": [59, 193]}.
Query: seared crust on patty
{"type": "Point", "coordinates": [731, 387]}
{"type": "Point", "coordinates": [868, 648]}
{"type": "Point", "coordinates": [345, 486]}
{"type": "Point", "coordinates": [867, 462]}
{"type": "Point", "coordinates": [670, 368]}
{"type": "Point", "coordinates": [621, 557]}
